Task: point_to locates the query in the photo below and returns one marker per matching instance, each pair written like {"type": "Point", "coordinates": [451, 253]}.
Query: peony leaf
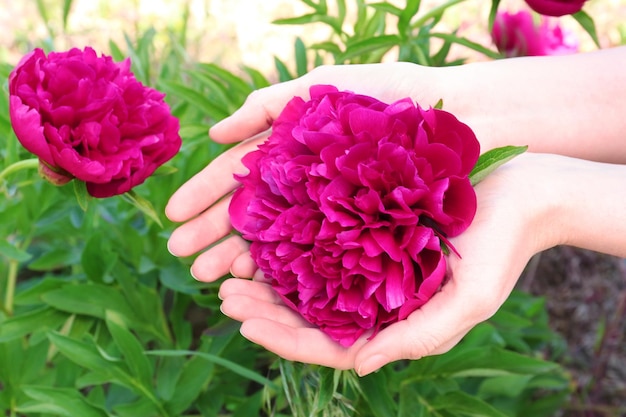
{"type": "Point", "coordinates": [588, 25]}
{"type": "Point", "coordinates": [82, 196]}
{"type": "Point", "coordinates": [228, 364]}
{"type": "Point", "coordinates": [439, 104]}
{"type": "Point", "coordinates": [164, 170]}
{"type": "Point", "coordinates": [467, 43]}
{"type": "Point", "coordinates": [142, 204]}
{"type": "Point", "coordinates": [490, 160]}
{"type": "Point", "coordinates": [492, 13]}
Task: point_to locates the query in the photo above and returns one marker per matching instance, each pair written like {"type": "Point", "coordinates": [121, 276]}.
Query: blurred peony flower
{"type": "Point", "coordinates": [348, 205]}
{"type": "Point", "coordinates": [517, 34]}
{"type": "Point", "coordinates": [556, 7]}
{"type": "Point", "coordinates": [87, 117]}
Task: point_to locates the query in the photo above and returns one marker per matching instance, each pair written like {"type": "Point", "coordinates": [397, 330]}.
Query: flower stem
{"type": "Point", "coordinates": [10, 288]}
{"type": "Point", "coordinates": [18, 166]}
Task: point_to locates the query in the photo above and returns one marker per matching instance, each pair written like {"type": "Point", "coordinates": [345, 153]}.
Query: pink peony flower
{"type": "Point", "coordinates": [87, 117]}
{"type": "Point", "coordinates": [517, 34]}
{"type": "Point", "coordinates": [556, 7]}
{"type": "Point", "coordinates": [348, 204]}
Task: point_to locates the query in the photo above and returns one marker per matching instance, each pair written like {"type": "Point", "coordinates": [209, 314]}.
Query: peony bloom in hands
{"type": "Point", "coordinates": [556, 7]}
{"type": "Point", "coordinates": [87, 117]}
{"type": "Point", "coordinates": [349, 203]}
{"type": "Point", "coordinates": [517, 34]}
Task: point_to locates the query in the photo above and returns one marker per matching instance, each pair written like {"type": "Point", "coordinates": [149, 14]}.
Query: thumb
{"type": "Point", "coordinates": [258, 112]}
{"type": "Point", "coordinates": [433, 329]}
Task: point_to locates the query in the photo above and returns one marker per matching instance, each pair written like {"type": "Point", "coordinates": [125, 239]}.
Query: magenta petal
{"type": "Point", "coordinates": [26, 123]}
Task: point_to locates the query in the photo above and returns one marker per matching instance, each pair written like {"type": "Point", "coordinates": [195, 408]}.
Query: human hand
{"type": "Point", "coordinates": [512, 223]}
{"type": "Point", "coordinates": [202, 202]}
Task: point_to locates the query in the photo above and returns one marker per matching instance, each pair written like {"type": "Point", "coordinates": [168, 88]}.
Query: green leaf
{"type": "Point", "coordinates": [434, 13]}
{"type": "Point", "coordinates": [12, 252]}
{"type": "Point", "coordinates": [89, 299]}
{"type": "Point", "coordinates": [88, 356]}
{"type": "Point", "coordinates": [231, 366]}
{"type": "Point", "coordinates": [334, 23]}
{"type": "Point", "coordinates": [82, 196]}
{"type": "Point", "coordinates": [165, 170]}
{"type": "Point", "coordinates": [31, 296]}
{"type": "Point", "coordinates": [404, 20]}
{"type": "Point", "coordinates": [37, 320]}
{"type": "Point", "coordinates": [485, 361]}
{"type": "Point", "coordinates": [194, 376]}
{"type": "Point", "coordinates": [67, 6]}
{"type": "Point", "coordinates": [301, 59]}
{"type": "Point", "coordinates": [59, 402]}
{"type": "Point", "coordinates": [327, 46]}
{"type": "Point", "coordinates": [142, 407]}
{"type": "Point", "coordinates": [116, 52]}
{"type": "Point", "coordinates": [328, 386]}
{"type": "Point", "coordinates": [98, 259]}
{"type": "Point", "coordinates": [131, 349]}
{"type": "Point", "coordinates": [143, 205]}
{"type": "Point", "coordinates": [439, 104]}
{"type": "Point", "coordinates": [588, 25]}
{"type": "Point", "coordinates": [492, 159]}
{"type": "Point", "coordinates": [464, 404]}
{"type": "Point", "coordinates": [231, 81]}
{"type": "Point", "coordinates": [379, 400]}
{"type": "Point", "coordinates": [283, 72]}
{"type": "Point", "coordinates": [510, 386]}
{"type": "Point", "coordinates": [54, 259]}
{"type": "Point", "coordinates": [258, 79]}
{"type": "Point", "coordinates": [467, 43]}
{"type": "Point", "coordinates": [168, 373]}
{"type": "Point", "coordinates": [195, 98]}
{"type": "Point", "coordinates": [493, 11]}
{"type": "Point", "coordinates": [365, 46]}
{"type": "Point", "coordinates": [387, 8]}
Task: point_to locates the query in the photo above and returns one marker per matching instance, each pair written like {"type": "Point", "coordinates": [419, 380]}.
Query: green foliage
{"type": "Point", "coordinates": [368, 36]}
{"type": "Point", "coordinates": [98, 319]}
{"type": "Point", "coordinates": [498, 370]}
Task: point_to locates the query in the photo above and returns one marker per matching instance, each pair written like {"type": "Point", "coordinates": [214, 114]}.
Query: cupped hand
{"type": "Point", "coordinates": [511, 225]}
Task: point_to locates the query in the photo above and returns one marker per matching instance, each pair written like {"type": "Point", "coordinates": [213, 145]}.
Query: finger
{"type": "Point", "coordinates": [259, 111]}
{"type": "Point", "coordinates": [202, 231]}
{"type": "Point", "coordinates": [216, 261]}
{"type": "Point", "coordinates": [244, 299]}
{"type": "Point", "coordinates": [211, 184]}
{"type": "Point", "coordinates": [302, 344]}
{"type": "Point", "coordinates": [433, 329]}
{"type": "Point", "coordinates": [243, 307]}
{"type": "Point", "coordinates": [243, 266]}
{"type": "Point", "coordinates": [268, 322]}
{"type": "Point", "coordinates": [258, 290]}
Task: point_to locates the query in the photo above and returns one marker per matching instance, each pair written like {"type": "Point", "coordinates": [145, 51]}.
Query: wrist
{"type": "Point", "coordinates": [590, 205]}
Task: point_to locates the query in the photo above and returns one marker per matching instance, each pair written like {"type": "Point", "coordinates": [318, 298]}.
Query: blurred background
{"type": "Point", "coordinates": [233, 32]}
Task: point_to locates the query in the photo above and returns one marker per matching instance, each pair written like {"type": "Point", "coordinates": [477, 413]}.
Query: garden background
{"type": "Point", "coordinates": [98, 319]}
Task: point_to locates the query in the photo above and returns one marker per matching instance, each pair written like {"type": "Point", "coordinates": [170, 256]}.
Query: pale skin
{"type": "Point", "coordinates": [568, 190]}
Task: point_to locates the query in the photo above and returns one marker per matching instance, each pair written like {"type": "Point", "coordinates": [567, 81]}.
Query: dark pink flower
{"type": "Point", "coordinates": [87, 117]}
{"type": "Point", "coordinates": [348, 203]}
{"type": "Point", "coordinates": [517, 34]}
{"type": "Point", "coordinates": [556, 7]}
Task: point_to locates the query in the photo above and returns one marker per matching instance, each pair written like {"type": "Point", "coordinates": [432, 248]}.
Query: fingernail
{"type": "Point", "coordinates": [192, 274]}
{"type": "Point", "coordinates": [371, 364]}
{"type": "Point", "coordinates": [170, 249]}
{"type": "Point", "coordinates": [222, 310]}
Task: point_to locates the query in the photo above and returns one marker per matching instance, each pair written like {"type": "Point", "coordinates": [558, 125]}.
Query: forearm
{"type": "Point", "coordinates": [570, 105]}
{"type": "Point", "coordinates": [591, 205]}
